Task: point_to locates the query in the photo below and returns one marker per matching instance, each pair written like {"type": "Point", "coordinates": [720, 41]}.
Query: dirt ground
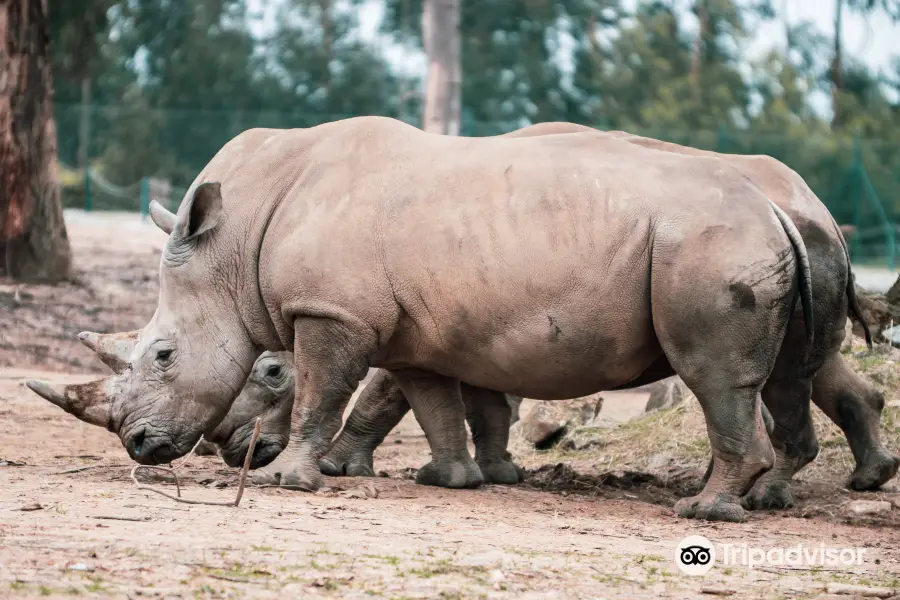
{"type": "Point", "coordinates": [73, 523]}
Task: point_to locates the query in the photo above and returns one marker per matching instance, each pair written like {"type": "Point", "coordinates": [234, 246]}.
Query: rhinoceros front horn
{"type": "Point", "coordinates": [87, 401]}
{"type": "Point", "coordinates": [114, 349]}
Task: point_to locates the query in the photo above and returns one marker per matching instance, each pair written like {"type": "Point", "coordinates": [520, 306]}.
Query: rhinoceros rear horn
{"type": "Point", "coordinates": [163, 218]}
{"type": "Point", "coordinates": [114, 349]}
{"type": "Point", "coordinates": [88, 402]}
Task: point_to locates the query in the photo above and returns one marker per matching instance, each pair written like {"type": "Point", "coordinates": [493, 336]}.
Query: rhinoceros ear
{"type": "Point", "coordinates": [202, 212]}
{"type": "Point", "coordinates": [163, 218]}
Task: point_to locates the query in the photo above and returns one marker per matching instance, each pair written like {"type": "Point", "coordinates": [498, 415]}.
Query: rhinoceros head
{"type": "Point", "coordinates": [268, 395]}
{"type": "Point", "coordinates": [186, 367]}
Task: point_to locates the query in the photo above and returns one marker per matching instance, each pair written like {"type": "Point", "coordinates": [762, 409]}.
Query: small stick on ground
{"type": "Point", "coordinates": [115, 518]}
{"type": "Point", "coordinates": [253, 438]}
{"type": "Point", "coordinates": [178, 498]}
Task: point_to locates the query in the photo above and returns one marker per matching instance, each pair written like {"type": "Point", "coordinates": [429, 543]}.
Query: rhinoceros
{"type": "Point", "coordinates": [550, 267]}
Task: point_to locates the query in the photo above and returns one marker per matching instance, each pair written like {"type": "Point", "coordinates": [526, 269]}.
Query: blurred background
{"type": "Point", "coordinates": [146, 91]}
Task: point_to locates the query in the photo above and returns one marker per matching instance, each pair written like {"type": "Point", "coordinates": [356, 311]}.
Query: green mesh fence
{"type": "Point", "coordinates": [859, 180]}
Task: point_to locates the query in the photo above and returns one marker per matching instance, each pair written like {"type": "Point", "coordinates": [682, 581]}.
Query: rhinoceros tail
{"type": "Point", "coordinates": [804, 271]}
{"type": "Point", "coordinates": [852, 301]}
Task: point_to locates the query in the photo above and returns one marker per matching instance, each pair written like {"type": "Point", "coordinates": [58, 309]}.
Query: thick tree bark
{"type": "Point", "coordinates": [440, 36]}
{"type": "Point", "coordinates": [32, 230]}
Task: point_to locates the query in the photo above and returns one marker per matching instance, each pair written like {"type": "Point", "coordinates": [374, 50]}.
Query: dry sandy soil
{"type": "Point", "coordinates": [72, 522]}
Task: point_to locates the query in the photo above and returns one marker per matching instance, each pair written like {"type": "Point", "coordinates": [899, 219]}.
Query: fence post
{"type": "Point", "coordinates": [88, 200]}
{"type": "Point", "coordinates": [855, 195]}
{"type": "Point", "coordinates": [145, 198]}
{"type": "Point", "coordinates": [722, 139]}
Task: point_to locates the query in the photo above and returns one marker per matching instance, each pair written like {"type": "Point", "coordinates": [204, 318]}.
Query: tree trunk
{"type": "Point", "coordinates": [440, 36]}
{"type": "Point", "coordinates": [31, 220]}
{"type": "Point", "coordinates": [697, 52]}
{"type": "Point", "coordinates": [837, 64]}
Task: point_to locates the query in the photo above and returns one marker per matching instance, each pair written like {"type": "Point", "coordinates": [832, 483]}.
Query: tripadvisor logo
{"type": "Point", "coordinates": [695, 555]}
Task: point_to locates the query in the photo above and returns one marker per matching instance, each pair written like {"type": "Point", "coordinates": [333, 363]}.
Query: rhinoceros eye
{"type": "Point", "coordinates": [163, 356]}
{"type": "Point", "coordinates": [273, 371]}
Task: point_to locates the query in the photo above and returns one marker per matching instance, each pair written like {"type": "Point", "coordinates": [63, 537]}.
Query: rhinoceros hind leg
{"type": "Point", "coordinates": [502, 472]}
{"type": "Point", "coordinates": [379, 409]}
{"type": "Point", "coordinates": [786, 395]}
{"type": "Point", "coordinates": [855, 405]}
{"type": "Point", "coordinates": [489, 414]}
{"type": "Point", "coordinates": [437, 404]}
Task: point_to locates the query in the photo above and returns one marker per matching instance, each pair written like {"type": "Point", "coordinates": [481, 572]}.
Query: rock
{"type": "Point", "coordinates": [547, 422]}
{"type": "Point", "coordinates": [869, 507]}
{"type": "Point", "coordinates": [496, 576]}
{"type": "Point", "coordinates": [667, 393]}
{"type": "Point", "coordinates": [893, 294]}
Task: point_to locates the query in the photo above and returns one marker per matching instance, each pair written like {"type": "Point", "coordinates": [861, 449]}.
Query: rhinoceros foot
{"type": "Point", "coordinates": [711, 507]}
{"type": "Point", "coordinates": [335, 465]}
{"type": "Point", "coordinates": [874, 473]}
{"type": "Point", "coordinates": [289, 474]}
{"type": "Point", "coordinates": [501, 472]}
{"type": "Point", "coordinates": [768, 494]}
{"type": "Point", "coordinates": [451, 474]}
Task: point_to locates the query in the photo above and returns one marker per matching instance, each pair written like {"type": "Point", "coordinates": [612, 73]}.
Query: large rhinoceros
{"type": "Point", "coordinates": [550, 267]}
{"type": "Point", "coordinates": [853, 403]}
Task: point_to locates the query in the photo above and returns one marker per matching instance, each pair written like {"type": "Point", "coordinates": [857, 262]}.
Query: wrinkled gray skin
{"type": "Point", "coordinates": [551, 267]}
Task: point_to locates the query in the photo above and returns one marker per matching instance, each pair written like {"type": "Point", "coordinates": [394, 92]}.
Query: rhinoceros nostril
{"type": "Point", "coordinates": [137, 442]}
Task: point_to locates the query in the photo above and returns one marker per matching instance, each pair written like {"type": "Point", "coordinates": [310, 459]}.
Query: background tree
{"type": "Point", "coordinates": [32, 231]}
{"type": "Point", "coordinates": [440, 39]}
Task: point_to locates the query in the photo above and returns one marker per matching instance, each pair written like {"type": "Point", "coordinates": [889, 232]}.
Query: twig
{"type": "Point", "coordinates": [178, 498]}
{"type": "Point", "coordinates": [75, 470]}
{"type": "Point", "coordinates": [170, 471]}
{"type": "Point", "coordinates": [249, 457]}
{"type": "Point", "coordinates": [115, 518]}
{"type": "Point", "coordinates": [227, 578]}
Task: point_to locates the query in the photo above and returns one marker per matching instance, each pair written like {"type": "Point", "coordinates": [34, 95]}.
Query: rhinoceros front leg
{"type": "Point", "coordinates": [330, 359]}
{"type": "Point", "coordinates": [488, 414]}
{"type": "Point", "coordinates": [379, 409]}
{"type": "Point", "coordinates": [437, 404]}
